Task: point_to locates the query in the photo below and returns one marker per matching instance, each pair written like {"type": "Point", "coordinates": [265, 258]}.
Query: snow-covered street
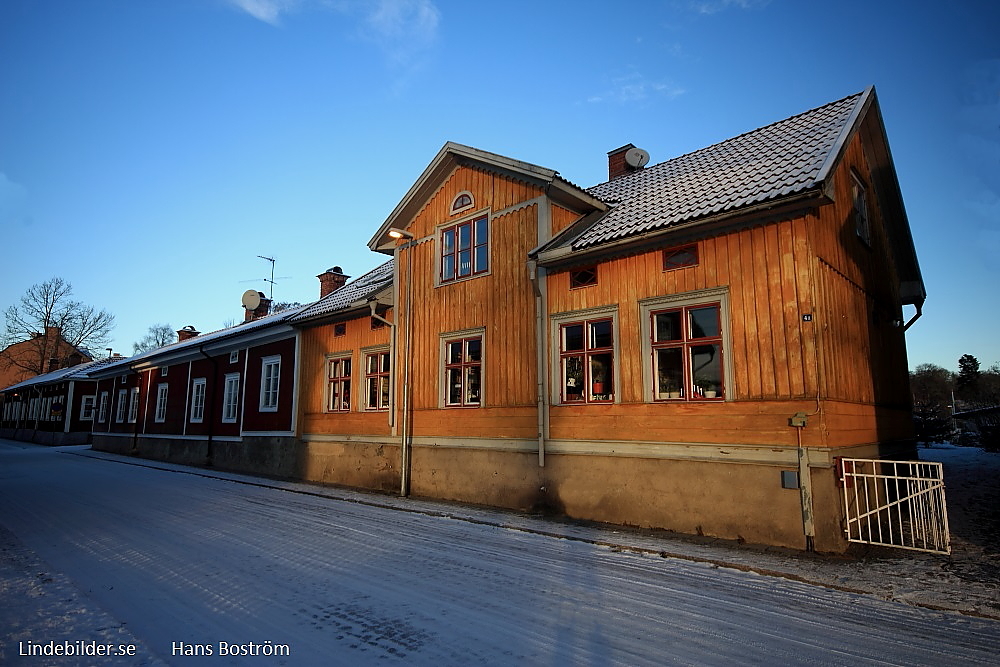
{"type": "Point", "coordinates": [172, 561]}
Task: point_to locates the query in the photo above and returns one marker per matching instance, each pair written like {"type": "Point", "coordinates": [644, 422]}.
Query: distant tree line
{"type": "Point", "coordinates": [938, 393]}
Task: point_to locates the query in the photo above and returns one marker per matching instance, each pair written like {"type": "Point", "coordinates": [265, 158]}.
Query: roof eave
{"type": "Point", "coordinates": [453, 155]}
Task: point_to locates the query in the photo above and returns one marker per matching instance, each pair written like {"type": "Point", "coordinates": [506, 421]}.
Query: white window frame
{"type": "Point", "coordinates": [87, 405]}
{"type": "Point", "coordinates": [556, 323]}
{"type": "Point", "coordinates": [647, 307]}
{"type": "Point", "coordinates": [198, 390]}
{"type": "Point", "coordinates": [162, 391]}
{"type": "Point", "coordinates": [164, 370]}
{"type": "Point", "coordinates": [102, 410]}
{"type": "Point", "coordinates": [270, 383]}
{"type": "Point", "coordinates": [122, 407]}
{"type": "Point", "coordinates": [133, 405]}
{"type": "Point", "coordinates": [234, 357]}
{"type": "Point", "coordinates": [231, 398]}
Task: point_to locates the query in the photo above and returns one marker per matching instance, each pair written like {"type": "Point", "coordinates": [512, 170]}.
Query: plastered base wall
{"type": "Point", "coordinates": [739, 501]}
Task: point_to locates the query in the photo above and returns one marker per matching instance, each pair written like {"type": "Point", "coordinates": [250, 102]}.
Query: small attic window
{"type": "Point", "coordinates": [462, 202]}
{"type": "Point", "coordinates": [583, 277]}
{"type": "Point", "coordinates": [340, 329]}
{"type": "Point", "coordinates": [679, 258]}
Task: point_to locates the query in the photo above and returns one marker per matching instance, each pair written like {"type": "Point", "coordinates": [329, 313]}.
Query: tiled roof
{"type": "Point", "coordinates": [78, 372]}
{"type": "Point", "coordinates": [356, 290]}
{"type": "Point", "coordinates": [781, 159]}
{"type": "Point", "coordinates": [205, 338]}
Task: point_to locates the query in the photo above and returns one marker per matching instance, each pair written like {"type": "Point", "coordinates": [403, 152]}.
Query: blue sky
{"type": "Point", "coordinates": [149, 151]}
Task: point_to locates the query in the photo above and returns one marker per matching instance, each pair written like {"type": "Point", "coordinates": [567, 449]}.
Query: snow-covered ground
{"type": "Point", "coordinates": [163, 560]}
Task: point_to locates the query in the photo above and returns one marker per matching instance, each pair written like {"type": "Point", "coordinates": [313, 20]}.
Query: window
{"type": "Point", "coordinates": [269, 378]}
{"type": "Point", "coordinates": [87, 408]}
{"type": "Point", "coordinates": [120, 415]}
{"type": "Point", "coordinates": [102, 411]}
{"type": "Point", "coordinates": [338, 384]}
{"type": "Point", "coordinates": [377, 368]}
{"type": "Point", "coordinates": [230, 398]}
{"type": "Point", "coordinates": [376, 323]}
{"type": "Point", "coordinates": [161, 403]}
{"type": "Point", "coordinates": [462, 202]}
{"type": "Point", "coordinates": [586, 360]}
{"type": "Point", "coordinates": [198, 401]}
{"type": "Point", "coordinates": [133, 403]}
{"type": "Point", "coordinates": [687, 343]}
{"type": "Point", "coordinates": [234, 357]}
{"type": "Point", "coordinates": [463, 362]}
{"type": "Point", "coordinates": [465, 249]}
{"type": "Point", "coordinates": [679, 258]}
{"type": "Point", "coordinates": [583, 277]}
{"type": "Point", "coordinates": [340, 329]}
{"type": "Point", "coordinates": [164, 371]}
{"type": "Point", "coordinates": [862, 224]}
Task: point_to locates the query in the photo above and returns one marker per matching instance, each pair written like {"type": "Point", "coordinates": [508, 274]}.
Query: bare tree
{"type": "Point", "coordinates": [157, 336]}
{"type": "Point", "coordinates": [49, 325]}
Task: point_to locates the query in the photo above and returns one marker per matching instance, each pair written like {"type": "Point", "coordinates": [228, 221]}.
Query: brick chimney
{"type": "Point", "coordinates": [262, 310]}
{"type": "Point", "coordinates": [186, 333]}
{"type": "Point", "coordinates": [330, 280]}
{"type": "Point", "coordinates": [617, 165]}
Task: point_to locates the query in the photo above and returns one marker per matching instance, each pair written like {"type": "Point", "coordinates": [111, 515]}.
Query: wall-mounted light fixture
{"type": "Point", "coordinates": [397, 233]}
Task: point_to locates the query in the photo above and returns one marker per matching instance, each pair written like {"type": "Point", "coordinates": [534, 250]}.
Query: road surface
{"type": "Point", "coordinates": [243, 573]}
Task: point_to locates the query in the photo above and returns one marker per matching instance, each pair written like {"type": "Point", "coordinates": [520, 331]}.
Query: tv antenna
{"type": "Point", "coordinates": [270, 281]}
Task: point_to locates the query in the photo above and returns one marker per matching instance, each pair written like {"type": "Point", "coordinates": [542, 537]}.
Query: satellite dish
{"type": "Point", "coordinates": [251, 299]}
{"type": "Point", "coordinates": [636, 158]}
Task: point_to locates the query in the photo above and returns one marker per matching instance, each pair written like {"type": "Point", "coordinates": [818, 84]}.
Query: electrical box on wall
{"type": "Point", "coordinates": [789, 479]}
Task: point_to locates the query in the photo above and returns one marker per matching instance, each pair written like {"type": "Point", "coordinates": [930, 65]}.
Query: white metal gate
{"type": "Point", "coordinates": [895, 504]}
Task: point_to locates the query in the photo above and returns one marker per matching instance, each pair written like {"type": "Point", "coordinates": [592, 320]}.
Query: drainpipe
{"type": "Point", "coordinates": [537, 275]}
{"type": "Point", "coordinates": [211, 403]}
{"type": "Point", "coordinates": [138, 395]}
{"type": "Point", "coordinates": [915, 317]}
{"type": "Point", "coordinates": [798, 422]}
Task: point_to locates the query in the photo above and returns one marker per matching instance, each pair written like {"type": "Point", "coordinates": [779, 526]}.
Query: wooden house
{"type": "Point", "coordinates": [54, 408]}
{"type": "Point", "coordinates": [225, 398]}
{"type": "Point", "coordinates": [688, 346]}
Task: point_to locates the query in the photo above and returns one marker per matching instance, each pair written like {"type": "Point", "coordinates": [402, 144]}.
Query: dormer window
{"type": "Point", "coordinates": [462, 202]}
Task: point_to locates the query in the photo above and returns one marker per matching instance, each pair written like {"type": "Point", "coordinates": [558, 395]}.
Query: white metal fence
{"type": "Point", "coordinates": [895, 503]}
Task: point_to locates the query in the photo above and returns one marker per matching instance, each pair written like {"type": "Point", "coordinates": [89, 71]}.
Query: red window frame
{"type": "Point", "coordinates": [377, 385]}
{"type": "Point", "coordinates": [687, 353]}
{"type": "Point", "coordinates": [586, 361]}
{"type": "Point", "coordinates": [463, 367]}
{"type": "Point", "coordinates": [338, 374]}
{"type": "Point", "coordinates": [465, 249]}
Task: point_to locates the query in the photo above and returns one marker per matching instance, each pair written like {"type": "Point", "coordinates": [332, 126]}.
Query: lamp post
{"type": "Point", "coordinates": [404, 477]}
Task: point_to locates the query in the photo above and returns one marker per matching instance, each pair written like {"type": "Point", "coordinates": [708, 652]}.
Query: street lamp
{"type": "Point", "coordinates": [404, 477]}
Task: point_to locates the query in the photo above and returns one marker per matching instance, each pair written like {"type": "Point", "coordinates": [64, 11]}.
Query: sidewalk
{"type": "Point", "coordinates": [968, 581]}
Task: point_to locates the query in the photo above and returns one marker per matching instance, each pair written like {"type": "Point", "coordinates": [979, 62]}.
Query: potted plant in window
{"type": "Point", "coordinates": [598, 381]}
{"type": "Point", "coordinates": [706, 386]}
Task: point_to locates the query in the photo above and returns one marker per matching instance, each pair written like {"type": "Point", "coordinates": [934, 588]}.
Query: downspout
{"type": "Point", "coordinates": [537, 275]}
{"type": "Point", "coordinates": [392, 360]}
{"type": "Point", "coordinates": [138, 395]}
{"type": "Point", "coordinates": [211, 402]}
{"type": "Point", "coordinates": [915, 317]}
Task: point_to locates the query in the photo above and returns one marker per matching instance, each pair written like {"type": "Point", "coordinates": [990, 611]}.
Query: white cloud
{"type": "Point", "coordinates": [403, 27]}
{"type": "Point", "coordinates": [636, 88]}
{"type": "Point", "coordinates": [716, 6]}
{"type": "Point", "coordinates": [268, 11]}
